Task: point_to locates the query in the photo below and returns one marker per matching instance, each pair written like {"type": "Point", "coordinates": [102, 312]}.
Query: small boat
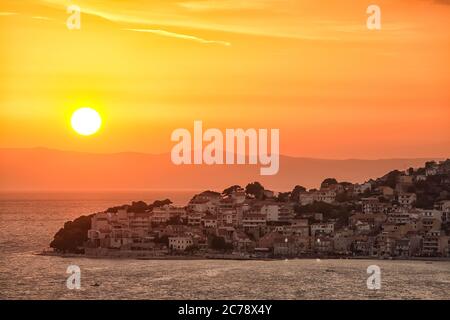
{"type": "Point", "coordinates": [95, 285]}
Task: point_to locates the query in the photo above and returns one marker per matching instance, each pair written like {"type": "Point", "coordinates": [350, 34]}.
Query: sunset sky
{"type": "Point", "coordinates": [310, 68]}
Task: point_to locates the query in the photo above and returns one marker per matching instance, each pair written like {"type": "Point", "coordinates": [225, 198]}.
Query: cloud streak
{"type": "Point", "coordinates": [4, 14]}
{"type": "Point", "coordinates": [165, 33]}
{"type": "Point", "coordinates": [42, 18]}
{"type": "Point", "coordinates": [218, 5]}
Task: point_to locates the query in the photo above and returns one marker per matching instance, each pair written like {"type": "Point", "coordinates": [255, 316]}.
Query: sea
{"type": "Point", "coordinates": [28, 222]}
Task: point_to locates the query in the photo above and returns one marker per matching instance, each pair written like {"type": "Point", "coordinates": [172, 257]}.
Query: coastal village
{"type": "Point", "coordinates": [404, 214]}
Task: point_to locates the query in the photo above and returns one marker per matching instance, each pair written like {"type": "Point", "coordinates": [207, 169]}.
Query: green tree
{"type": "Point", "coordinates": [284, 196]}
{"type": "Point", "coordinates": [328, 182]}
{"type": "Point", "coordinates": [255, 189]}
{"type": "Point", "coordinates": [228, 191]}
{"type": "Point", "coordinates": [392, 178]}
{"type": "Point", "coordinates": [138, 207]}
{"type": "Point", "coordinates": [160, 203]}
{"type": "Point", "coordinates": [295, 193]}
{"type": "Point", "coordinates": [219, 244]}
{"type": "Point", "coordinates": [72, 236]}
{"type": "Point", "coordinates": [162, 240]}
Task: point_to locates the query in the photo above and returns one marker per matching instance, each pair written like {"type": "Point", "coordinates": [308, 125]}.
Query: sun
{"type": "Point", "coordinates": [86, 121]}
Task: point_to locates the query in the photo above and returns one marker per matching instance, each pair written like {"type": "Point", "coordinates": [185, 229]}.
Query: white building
{"type": "Point", "coordinates": [399, 217]}
{"type": "Point", "coordinates": [324, 195]}
{"type": "Point", "coordinates": [180, 243]}
{"type": "Point", "coordinates": [299, 227]}
{"type": "Point", "coordinates": [306, 198]}
{"type": "Point", "coordinates": [327, 228]}
{"type": "Point", "coordinates": [434, 214]}
{"type": "Point", "coordinates": [271, 211]}
{"type": "Point", "coordinates": [195, 219]}
{"type": "Point", "coordinates": [165, 213]}
{"type": "Point", "coordinates": [327, 196]}
{"type": "Point", "coordinates": [254, 221]}
{"type": "Point", "coordinates": [201, 205]}
{"type": "Point", "coordinates": [443, 205]}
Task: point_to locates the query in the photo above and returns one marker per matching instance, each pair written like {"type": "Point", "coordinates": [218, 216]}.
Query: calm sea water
{"type": "Point", "coordinates": [29, 221]}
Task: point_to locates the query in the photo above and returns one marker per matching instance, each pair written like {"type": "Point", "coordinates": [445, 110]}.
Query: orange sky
{"type": "Point", "coordinates": [311, 68]}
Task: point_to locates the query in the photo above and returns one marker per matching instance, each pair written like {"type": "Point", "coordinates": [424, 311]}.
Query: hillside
{"type": "Point", "coordinates": [65, 170]}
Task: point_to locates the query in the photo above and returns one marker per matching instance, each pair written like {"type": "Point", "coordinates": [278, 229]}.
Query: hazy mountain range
{"type": "Point", "coordinates": [46, 169]}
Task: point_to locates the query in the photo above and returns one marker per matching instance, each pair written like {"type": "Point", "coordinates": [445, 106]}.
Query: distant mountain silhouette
{"type": "Point", "coordinates": [45, 169]}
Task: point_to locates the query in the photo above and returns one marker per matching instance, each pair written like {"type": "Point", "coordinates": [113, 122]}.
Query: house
{"type": "Point", "coordinates": [403, 183]}
{"type": "Point", "coordinates": [386, 244]}
{"type": "Point", "coordinates": [303, 243]}
{"type": "Point", "coordinates": [399, 217]}
{"type": "Point", "coordinates": [100, 226]}
{"type": "Point", "coordinates": [372, 205]}
{"type": "Point", "coordinates": [325, 195]}
{"type": "Point", "coordinates": [362, 246]}
{"type": "Point", "coordinates": [342, 244]}
{"type": "Point", "coordinates": [443, 206]}
{"type": "Point", "coordinates": [306, 198]}
{"type": "Point", "coordinates": [204, 203]}
{"type": "Point", "coordinates": [242, 242]}
{"type": "Point", "coordinates": [285, 248]}
{"type": "Point", "coordinates": [299, 227]}
{"type": "Point", "coordinates": [386, 191]}
{"type": "Point", "coordinates": [227, 232]}
{"type": "Point", "coordinates": [434, 214]}
{"type": "Point", "coordinates": [209, 221]}
{"type": "Point", "coordinates": [286, 212]}
{"type": "Point", "coordinates": [118, 229]}
{"type": "Point", "coordinates": [195, 219]}
{"type": "Point", "coordinates": [140, 223]}
{"type": "Point", "coordinates": [165, 213]}
{"type": "Point", "coordinates": [361, 188]}
{"type": "Point", "coordinates": [291, 246]}
{"type": "Point", "coordinates": [98, 235]}
{"type": "Point", "coordinates": [402, 248]}
{"type": "Point", "coordinates": [373, 219]}
{"type": "Point", "coordinates": [120, 239]}
{"type": "Point", "coordinates": [180, 243]}
{"type": "Point", "coordinates": [271, 211]}
{"type": "Point", "coordinates": [407, 199]}
{"type": "Point", "coordinates": [337, 188]}
{"type": "Point", "coordinates": [430, 223]}
{"type": "Point", "coordinates": [325, 228]}
{"type": "Point", "coordinates": [431, 170]}
{"type": "Point", "coordinates": [254, 222]}
{"type": "Point", "coordinates": [174, 230]}
{"type": "Point", "coordinates": [420, 177]}
{"type": "Point", "coordinates": [435, 243]}
{"type": "Point", "coordinates": [363, 227]}
{"type": "Point", "coordinates": [323, 244]}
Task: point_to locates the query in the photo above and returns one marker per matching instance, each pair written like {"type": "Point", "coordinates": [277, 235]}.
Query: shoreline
{"type": "Point", "coordinates": [233, 257]}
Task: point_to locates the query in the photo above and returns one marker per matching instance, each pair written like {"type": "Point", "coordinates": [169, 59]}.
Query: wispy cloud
{"type": "Point", "coordinates": [180, 36]}
{"type": "Point", "coordinates": [216, 5]}
{"type": "Point", "coordinates": [42, 18]}
{"type": "Point", "coordinates": [8, 13]}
